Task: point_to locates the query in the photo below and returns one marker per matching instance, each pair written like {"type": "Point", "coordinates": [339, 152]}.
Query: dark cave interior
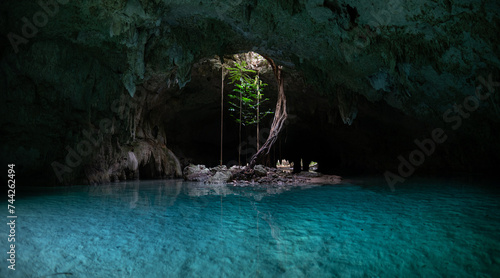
{"type": "Point", "coordinates": [94, 92]}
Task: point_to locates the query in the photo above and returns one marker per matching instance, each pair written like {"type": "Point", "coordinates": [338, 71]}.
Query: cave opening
{"type": "Point", "coordinates": [214, 98]}
{"type": "Point", "coordinates": [313, 124]}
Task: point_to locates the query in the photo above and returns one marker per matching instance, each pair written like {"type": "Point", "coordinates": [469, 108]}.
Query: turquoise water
{"type": "Point", "coordinates": [179, 229]}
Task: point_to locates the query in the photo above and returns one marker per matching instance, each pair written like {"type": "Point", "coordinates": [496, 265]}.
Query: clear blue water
{"type": "Point", "coordinates": [179, 229]}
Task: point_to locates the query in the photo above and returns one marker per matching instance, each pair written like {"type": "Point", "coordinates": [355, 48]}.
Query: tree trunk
{"type": "Point", "coordinates": [280, 116]}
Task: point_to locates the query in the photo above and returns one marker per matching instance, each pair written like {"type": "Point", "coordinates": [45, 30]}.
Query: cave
{"type": "Point", "coordinates": [157, 83]}
{"type": "Point", "coordinates": [132, 106]}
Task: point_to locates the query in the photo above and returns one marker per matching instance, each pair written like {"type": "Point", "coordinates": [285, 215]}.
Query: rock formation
{"type": "Point", "coordinates": [86, 83]}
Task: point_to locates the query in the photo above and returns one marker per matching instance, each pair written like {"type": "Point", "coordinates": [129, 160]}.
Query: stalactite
{"type": "Point", "coordinates": [347, 105]}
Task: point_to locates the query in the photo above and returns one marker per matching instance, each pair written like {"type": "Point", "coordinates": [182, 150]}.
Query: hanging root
{"type": "Point", "coordinates": [280, 117]}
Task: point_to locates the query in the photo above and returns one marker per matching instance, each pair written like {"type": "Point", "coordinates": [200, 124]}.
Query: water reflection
{"type": "Point", "coordinates": [143, 194]}
{"type": "Point", "coordinates": [172, 228]}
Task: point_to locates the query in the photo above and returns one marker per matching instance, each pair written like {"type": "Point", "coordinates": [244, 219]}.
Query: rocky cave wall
{"type": "Point", "coordinates": [397, 66]}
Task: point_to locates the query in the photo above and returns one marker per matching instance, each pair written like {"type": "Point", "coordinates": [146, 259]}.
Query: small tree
{"type": "Point", "coordinates": [245, 103]}
{"type": "Point", "coordinates": [239, 74]}
{"type": "Point", "coordinates": [259, 87]}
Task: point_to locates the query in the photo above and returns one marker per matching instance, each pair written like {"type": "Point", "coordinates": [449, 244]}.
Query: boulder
{"type": "Point", "coordinates": [235, 169]}
{"type": "Point", "coordinates": [310, 174]}
{"type": "Point", "coordinates": [196, 173]}
{"type": "Point", "coordinates": [218, 168]}
{"type": "Point", "coordinates": [220, 177]}
{"type": "Point", "coordinates": [260, 170]}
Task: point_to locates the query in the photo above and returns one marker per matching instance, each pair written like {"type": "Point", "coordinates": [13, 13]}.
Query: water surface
{"type": "Point", "coordinates": [426, 228]}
